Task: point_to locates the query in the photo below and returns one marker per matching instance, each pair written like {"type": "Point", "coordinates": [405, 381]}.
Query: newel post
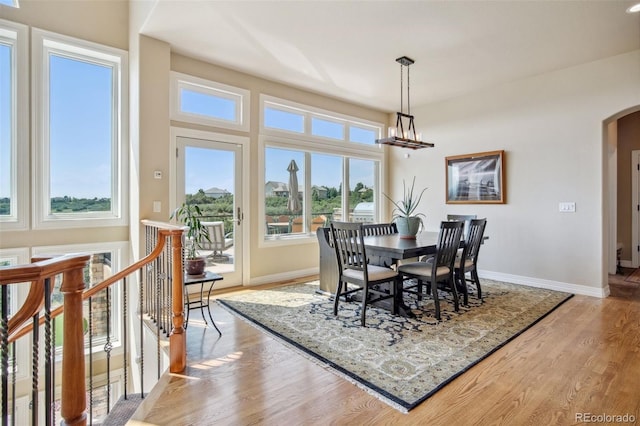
{"type": "Point", "coordinates": [74, 399]}
{"type": "Point", "coordinates": [178, 337]}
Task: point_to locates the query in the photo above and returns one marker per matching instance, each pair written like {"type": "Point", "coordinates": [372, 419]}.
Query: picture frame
{"type": "Point", "coordinates": [476, 178]}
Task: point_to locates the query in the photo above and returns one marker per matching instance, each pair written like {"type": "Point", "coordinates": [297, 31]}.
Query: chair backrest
{"type": "Point", "coordinates": [216, 235]}
{"type": "Point", "coordinates": [349, 245]}
{"type": "Point", "coordinates": [379, 229]}
{"type": "Point", "coordinates": [474, 240]}
{"type": "Point", "coordinates": [466, 218]}
{"type": "Point", "coordinates": [448, 243]}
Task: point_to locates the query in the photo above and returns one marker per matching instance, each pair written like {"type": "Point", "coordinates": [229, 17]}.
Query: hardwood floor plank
{"type": "Point", "coordinates": [582, 358]}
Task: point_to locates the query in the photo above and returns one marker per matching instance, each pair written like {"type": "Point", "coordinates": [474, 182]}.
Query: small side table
{"type": "Point", "coordinates": [208, 277]}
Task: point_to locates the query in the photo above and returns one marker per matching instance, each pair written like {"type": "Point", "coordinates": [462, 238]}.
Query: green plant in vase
{"type": "Point", "coordinates": [404, 215]}
{"type": "Point", "coordinates": [197, 233]}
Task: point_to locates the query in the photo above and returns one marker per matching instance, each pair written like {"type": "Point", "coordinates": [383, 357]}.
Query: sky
{"type": "Point", "coordinates": [81, 132]}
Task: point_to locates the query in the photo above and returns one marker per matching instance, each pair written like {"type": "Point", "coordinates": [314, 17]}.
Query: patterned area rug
{"type": "Point", "coordinates": [403, 361]}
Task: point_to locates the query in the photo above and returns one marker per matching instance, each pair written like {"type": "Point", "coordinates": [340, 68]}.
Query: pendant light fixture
{"type": "Point", "coordinates": [404, 134]}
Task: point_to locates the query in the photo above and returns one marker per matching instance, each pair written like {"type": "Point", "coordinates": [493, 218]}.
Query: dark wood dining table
{"type": "Point", "coordinates": [386, 250]}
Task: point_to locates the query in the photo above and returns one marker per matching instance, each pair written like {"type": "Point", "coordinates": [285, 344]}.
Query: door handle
{"type": "Point", "coordinates": [239, 215]}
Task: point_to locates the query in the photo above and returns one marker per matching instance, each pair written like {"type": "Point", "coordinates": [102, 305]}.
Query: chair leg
{"type": "Point", "coordinates": [336, 298]}
{"type": "Point", "coordinates": [454, 290]}
{"type": "Point", "coordinates": [461, 282]}
{"type": "Point", "coordinates": [396, 292]}
{"type": "Point", "coordinates": [420, 289]}
{"type": "Point", "coordinates": [363, 312]}
{"type": "Point", "coordinates": [434, 290]}
{"type": "Point", "coordinates": [474, 274]}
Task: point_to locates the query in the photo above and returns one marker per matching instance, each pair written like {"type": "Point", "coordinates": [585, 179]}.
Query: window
{"type": "Point", "coordinates": [11, 3]}
{"type": "Point", "coordinates": [322, 171]}
{"type": "Point", "coordinates": [281, 118]}
{"type": "Point", "coordinates": [80, 121]}
{"type": "Point", "coordinates": [195, 100]}
{"type": "Point", "coordinates": [14, 137]}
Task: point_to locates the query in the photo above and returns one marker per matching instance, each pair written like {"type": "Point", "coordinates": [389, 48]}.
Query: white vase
{"type": "Point", "coordinates": [408, 226]}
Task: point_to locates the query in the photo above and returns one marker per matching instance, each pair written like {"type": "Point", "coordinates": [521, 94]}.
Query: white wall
{"type": "Point", "coordinates": [551, 127]}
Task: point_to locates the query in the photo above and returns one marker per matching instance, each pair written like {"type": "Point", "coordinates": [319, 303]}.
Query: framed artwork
{"type": "Point", "coordinates": [476, 178]}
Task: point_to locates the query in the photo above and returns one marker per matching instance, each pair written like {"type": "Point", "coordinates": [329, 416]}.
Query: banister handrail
{"type": "Point", "coordinates": [35, 273]}
{"type": "Point", "coordinates": [163, 233]}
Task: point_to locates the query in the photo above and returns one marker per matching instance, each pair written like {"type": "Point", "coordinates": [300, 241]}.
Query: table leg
{"type": "Point", "coordinates": [209, 308]}
{"type": "Point", "coordinates": [202, 302]}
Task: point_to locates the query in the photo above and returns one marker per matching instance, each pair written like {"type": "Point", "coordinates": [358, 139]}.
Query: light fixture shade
{"type": "Point", "coordinates": [404, 134]}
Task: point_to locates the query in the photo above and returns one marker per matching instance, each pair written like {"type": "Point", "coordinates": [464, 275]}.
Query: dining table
{"type": "Point", "coordinates": [387, 250]}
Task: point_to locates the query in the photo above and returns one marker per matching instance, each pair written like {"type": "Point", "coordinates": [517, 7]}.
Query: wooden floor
{"type": "Point", "coordinates": [582, 359]}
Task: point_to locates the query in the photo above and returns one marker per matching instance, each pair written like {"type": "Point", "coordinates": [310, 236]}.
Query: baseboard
{"type": "Point", "coordinates": [548, 284]}
{"type": "Point", "coordinates": [498, 276]}
{"type": "Point", "coordinates": [284, 276]}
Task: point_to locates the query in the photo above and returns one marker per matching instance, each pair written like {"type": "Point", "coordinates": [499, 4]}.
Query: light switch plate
{"type": "Point", "coordinates": [567, 207]}
{"type": "Point", "coordinates": [157, 206]}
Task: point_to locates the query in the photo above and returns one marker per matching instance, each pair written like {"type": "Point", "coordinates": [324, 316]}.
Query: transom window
{"type": "Point", "coordinates": [200, 101]}
{"type": "Point", "coordinates": [280, 117]}
{"type": "Point", "coordinates": [80, 117]}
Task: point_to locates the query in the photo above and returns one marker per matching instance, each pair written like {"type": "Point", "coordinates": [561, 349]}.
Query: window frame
{"type": "Point", "coordinates": [17, 36]}
{"type": "Point", "coordinates": [209, 87]}
{"type": "Point", "coordinates": [44, 43]}
{"type": "Point", "coordinates": [346, 153]}
{"type": "Point", "coordinates": [309, 112]}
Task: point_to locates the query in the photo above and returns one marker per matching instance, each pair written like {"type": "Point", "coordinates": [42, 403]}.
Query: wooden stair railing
{"type": "Point", "coordinates": [40, 274]}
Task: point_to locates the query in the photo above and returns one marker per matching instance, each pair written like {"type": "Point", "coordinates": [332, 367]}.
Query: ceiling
{"type": "Point", "coordinates": [347, 49]}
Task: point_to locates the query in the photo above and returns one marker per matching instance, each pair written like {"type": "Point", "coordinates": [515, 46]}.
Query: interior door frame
{"type": "Point", "coordinates": [635, 205]}
{"type": "Point", "coordinates": [244, 143]}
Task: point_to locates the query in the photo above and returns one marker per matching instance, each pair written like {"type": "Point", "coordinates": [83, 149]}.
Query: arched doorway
{"type": "Point", "coordinates": [617, 199]}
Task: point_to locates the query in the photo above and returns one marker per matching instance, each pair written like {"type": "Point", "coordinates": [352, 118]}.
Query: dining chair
{"type": "Point", "coordinates": [438, 268]}
{"type": "Point", "coordinates": [467, 261]}
{"type": "Point", "coordinates": [466, 218]}
{"type": "Point", "coordinates": [348, 241]}
{"type": "Point", "coordinates": [379, 229]}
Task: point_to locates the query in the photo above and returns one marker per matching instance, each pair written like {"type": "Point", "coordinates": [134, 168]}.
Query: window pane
{"type": "Point", "coordinates": [207, 105]}
{"type": "Point", "coordinates": [81, 135]}
{"type": "Point", "coordinates": [326, 189]}
{"type": "Point", "coordinates": [283, 120]}
{"type": "Point", "coordinates": [361, 190]}
{"type": "Point", "coordinates": [283, 204]}
{"type": "Point", "coordinates": [6, 129]}
{"type": "Point", "coordinates": [362, 135]}
{"type": "Point", "coordinates": [327, 129]}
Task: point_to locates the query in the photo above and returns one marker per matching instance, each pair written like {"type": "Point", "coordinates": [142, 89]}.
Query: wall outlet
{"type": "Point", "coordinates": [566, 207]}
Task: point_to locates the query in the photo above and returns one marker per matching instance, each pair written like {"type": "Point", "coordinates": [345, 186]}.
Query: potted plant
{"type": "Point", "coordinates": [197, 233]}
{"type": "Point", "coordinates": [407, 221]}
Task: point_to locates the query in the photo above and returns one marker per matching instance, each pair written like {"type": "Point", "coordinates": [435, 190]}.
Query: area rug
{"type": "Point", "coordinates": [633, 277]}
{"type": "Point", "coordinates": [403, 361]}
